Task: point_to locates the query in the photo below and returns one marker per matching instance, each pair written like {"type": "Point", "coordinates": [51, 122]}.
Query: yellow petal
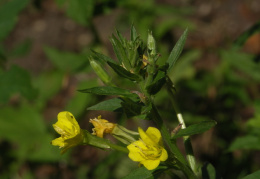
{"type": "Point", "coordinates": [136, 146]}
{"type": "Point", "coordinates": [66, 124]}
{"type": "Point", "coordinates": [135, 156]}
{"type": "Point", "coordinates": [145, 137]}
{"type": "Point", "coordinates": [164, 155]}
{"type": "Point", "coordinates": [58, 142]}
{"type": "Point", "coordinates": [154, 134]}
{"type": "Point", "coordinates": [135, 152]}
{"type": "Point", "coordinates": [150, 164]}
{"type": "Point", "coordinates": [68, 120]}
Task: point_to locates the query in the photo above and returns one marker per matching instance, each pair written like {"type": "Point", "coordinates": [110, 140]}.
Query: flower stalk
{"type": "Point", "coordinates": [187, 142]}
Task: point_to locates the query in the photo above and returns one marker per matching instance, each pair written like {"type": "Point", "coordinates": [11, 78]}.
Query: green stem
{"type": "Point", "coordinates": [187, 142]}
{"type": "Point", "coordinates": [181, 161]}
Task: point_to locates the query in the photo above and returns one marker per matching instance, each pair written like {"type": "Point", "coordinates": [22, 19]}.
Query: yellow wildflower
{"type": "Point", "coordinates": [68, 128]}
{"type": "Point", "coordinates": [101, 126]}
{"type": "Point", "coordinates": [148, 150]}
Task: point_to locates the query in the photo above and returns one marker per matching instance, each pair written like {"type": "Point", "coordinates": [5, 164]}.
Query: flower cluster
{"type": "Point", "coordinates": [148, 150]}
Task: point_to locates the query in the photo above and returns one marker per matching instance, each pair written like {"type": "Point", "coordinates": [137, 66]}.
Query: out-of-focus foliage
{"type": "Point", "coordinates": [220, 93]}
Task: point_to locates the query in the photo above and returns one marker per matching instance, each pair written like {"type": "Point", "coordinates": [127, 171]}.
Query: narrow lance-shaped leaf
{"type": "Point", "coordinates": [177, 49]}
{"type": "Point", "coordinates": [123, 72]}
{"type": "Point", "coordinates": [196, 129]}
{"type": "Point", "coordinates": [109, 90]}
{"type": "Point", "coordinates": [121, 38]}
{"type": "Point", "coordinates": [109, 105]}
{"type": "Point", "coordinates": [101, 57]}
{"type": "Point", "coordinates": [133, 33]}
{"type": "Point", "coordinates": [118, 49]}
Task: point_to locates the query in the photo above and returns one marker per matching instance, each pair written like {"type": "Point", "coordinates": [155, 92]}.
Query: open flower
{"type": "Point", "coordinates": [148, 150]}
{"type": "Point", "coordinates": [101, 126]}
{"type": "Point", "coordinates": [68, 128]}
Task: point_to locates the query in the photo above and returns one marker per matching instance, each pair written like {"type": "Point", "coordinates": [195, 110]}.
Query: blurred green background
{"type": "Point", "coordinates": [44, 46]}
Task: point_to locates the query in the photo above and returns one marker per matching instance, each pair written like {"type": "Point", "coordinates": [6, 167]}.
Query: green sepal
{"type": "Point", "coordinates": [95, 141]}
{"type": "Point", "coordinates": [123, 72]}
{"type": "Point", "coordinates": [123, 135]}
{"type": "Point", "coordinates": [109, 90]}
{"type": "Point", "coordinates": [177, 49]}
{"type": "Point", "coordinates": [101, 143]}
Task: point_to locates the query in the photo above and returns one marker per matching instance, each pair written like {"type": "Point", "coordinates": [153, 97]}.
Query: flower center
{"type": "Point", "coordinates": [150, 152]}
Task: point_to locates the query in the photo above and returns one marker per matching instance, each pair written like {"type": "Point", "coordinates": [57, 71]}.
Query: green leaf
{"type": "Point", "coordinates": [177, 49]}
{"type": "Point", "coordinates": [143, 173]}
{"type": "Point", "coordinates": [119, 51]}
{"type": "Point", "coordinates": [133, 33]}
{"type": "Point", "coordinates": [25, 127]}
{"type": "Point", "coordinates": [43, 151]}
{"type": "Point", "coordinates": [109, 90]}
{"type": "Point", "coordinates": [16, 80]}
{"type": "Point", "coordinates": [196, 128]}
{"type": "Point", "coordinates": [209, 172]}
{"type": "Point", "coordinates": [240, 41]}
{"type": "Point", "coordinates": [8, 15]}
{"type": "Point", "coordinates": [123, 72]}
{"type": "Point", "coordinates": [48, 84]}
{"type": "Point", "coordinates": [255, 175]}
{"type": "Point", "coordinates": [121, 38]}
{"type": "Point", "coordinates": [157, 83]}
{"type": "Point", "coordinates": [248, 142]}
{"type": "Point", "coordinates": [109, 105]}
{"type": "Point", "coordinates": [80, 11]}
{"type": "Point", "coordinates": [242, 62]}
{"type": "Point", "coordinates": [100, 57]}
{"type": "Point", "coordinates": [22, 125]}
{"type": "Point", "coordinates": [131, 108]}
{"type": "Point", "coordinates": [66, 61]}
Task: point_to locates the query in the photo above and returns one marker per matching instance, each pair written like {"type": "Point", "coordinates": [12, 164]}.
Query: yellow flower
{"type": "Point", "coordinates": [101, 126]}
{"type": "Point", "coordinates": [68, 128]}
{"type": "Point", "coordinates": [148, 150]}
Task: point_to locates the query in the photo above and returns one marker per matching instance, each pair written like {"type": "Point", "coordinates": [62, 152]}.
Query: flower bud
{"type": "Point", "coordinates": [151, 45]}
{"type": "Point", "coordinates": [101, 73]}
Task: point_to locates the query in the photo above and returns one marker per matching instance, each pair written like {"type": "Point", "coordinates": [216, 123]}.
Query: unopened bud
{"type": "Point", "coordinates": [102, 74]}
{"type": "Point", "coordinates": [151, 45]}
